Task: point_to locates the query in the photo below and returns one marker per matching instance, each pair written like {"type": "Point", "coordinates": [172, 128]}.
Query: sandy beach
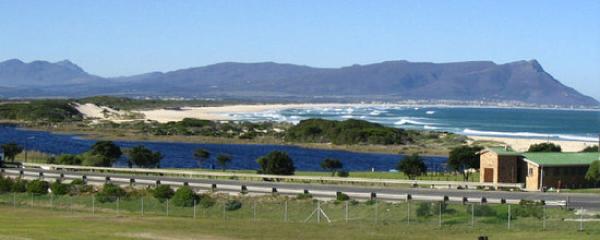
{"type": "Point", "coordinates": [222, 113]}
{"type": "Point", "coordinates": [522, 144]}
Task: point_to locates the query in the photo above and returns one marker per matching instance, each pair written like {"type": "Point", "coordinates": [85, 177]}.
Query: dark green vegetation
{"type": "Point", "coordinates": [185, 197]}
{"type": "Point", "coordinates": [593, 172]}
{"type": "Point", "coordinates": [141, 156]}
{"type": "Point", "coordinates": [346, 132]}
{"type": "Point", "coordinates": [223, 160]}
{"type": "Point", "coordinates": [11, 150]}
{"type": "Point", "coordinates": [101, 154]}
{"type": "Point", "coordinates": [544, 147]}
{"type": "Point", "coordinates": [244, 217]}
{"type": "Point", "coordinates": [590, 149]}
{"type": "Point", "coordinates": [463, 158]}
{"type": "Point", "coordinates": [276, 162]}
{"type": "Point", "coordinates": [412, 166]}
{"type": "Point", "coordinates": [163, 192]}
{"type": "Point", "coordinates": [42, 111]}
{"type": "Point", "coordinates": [333, 165]}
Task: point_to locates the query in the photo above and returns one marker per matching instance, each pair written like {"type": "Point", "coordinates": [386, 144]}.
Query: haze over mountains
{"type": "Point", "coordinates": [521, 81]}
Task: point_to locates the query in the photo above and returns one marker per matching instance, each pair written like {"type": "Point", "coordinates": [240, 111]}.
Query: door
{"type": "Point", "coordinates": [488, 175]}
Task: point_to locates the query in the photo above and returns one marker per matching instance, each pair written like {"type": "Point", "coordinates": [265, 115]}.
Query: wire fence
{"type": "Point", "coordinates": [284, 209]}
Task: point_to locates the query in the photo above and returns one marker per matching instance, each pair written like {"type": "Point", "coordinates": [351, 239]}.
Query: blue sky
{"type": "Point", "coordinates": [112, 38]}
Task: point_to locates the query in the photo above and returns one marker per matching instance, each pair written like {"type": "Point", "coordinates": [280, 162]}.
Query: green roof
{"type": "Point", "coordinates": [557, 158]}
{"type": "Point", "coordinates": [503, 151]}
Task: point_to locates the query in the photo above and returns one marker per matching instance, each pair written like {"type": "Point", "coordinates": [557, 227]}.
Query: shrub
{"type": "Point", "coordinates": [343, 173]}
{"type": "Point", "coordinates": [276, 162]}
{"type": "Point", "coordinates": [184, 197]}
{"type": "Point", "coordinates": [59, 188]}
{"type": "Point", "coordinates": [78, 186]}
{"type": "Point", "coordinates": [20, 185]}
{"type": "Point", "coordinates": [163, 192]}
{"type": "Point", "coordinates": [424, 210]}
{"type": "Point", "coordinates": [5, 184]}
{"type": "Point", "coordinates": [233, 205]}
{"type": "Point", "coordinates": [342, 197]}
{"type": "Point", "coordinates": [110, 192]}
{"type": "Point", "coordinates": [303, 196]}
{"type": "Point", "coordinates": [545, 147]}
{"type": "Point", "coordinates": [77, 182]}
{"type": "Point", "coordinates": [68, 159]}
{"type": "Point", "coordinates": [371, 202]}
{"type": "Point", "coordinates": [38, 187]}
{"type": "Point", "coordinates": [206, 201]}
{"type": "Point", "coordinates": [529, 209]}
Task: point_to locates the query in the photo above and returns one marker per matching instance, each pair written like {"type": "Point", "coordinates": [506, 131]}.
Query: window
{"type": "Point", "coordinates": [530, 172]}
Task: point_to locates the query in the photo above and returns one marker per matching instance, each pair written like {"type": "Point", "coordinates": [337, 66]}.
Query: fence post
{"type": "Point", "coordinates": [472, 215]}
{"type": "Point", "coordinates": [94, 205]}
{"type": "Point", "coordinates": [194, 208]}
{"type": "Point", "coordinates": [285, 216]}
{"type": "Point", "coordinates": [544, 217]}
{"type": "Point", "coordinates": [224, 215]}
{"type": "Point", "coordinates": [376, 212]}
{"type": "Point", "coordinates": [581, 219]}
{"type": "Point", "coordinates": [51, 202]}
{"type": "Point", "coordinates": [142, 206]}
{"type": "Point", "coordinates": [319, 212]}
{"type": "Point", "coordinates": [346, 215]}
{"type": "Point", "coordinates": [32, 200]}
{"type": "Point", "coordinates": [167, 207]}
{"type": "Point", "coordinates": [118, 206]}
{"type": "Point", "coordinates": [254, 211]}
{"type": "Point", "coordinates": [408, 211]}
{"type": "Point", "coordinates": [440, 215]}
{"type": "Point", "coordinates": [508, 216]}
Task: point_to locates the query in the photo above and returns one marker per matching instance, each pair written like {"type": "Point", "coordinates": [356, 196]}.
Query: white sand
{"type": "Point", "coordinates": [221, 113]}
{"type": "Point", "coordinates": [522, 144]}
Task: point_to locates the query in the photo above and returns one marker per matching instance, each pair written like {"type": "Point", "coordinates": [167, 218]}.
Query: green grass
{"type": "Point", "coordinates": [43, 222]}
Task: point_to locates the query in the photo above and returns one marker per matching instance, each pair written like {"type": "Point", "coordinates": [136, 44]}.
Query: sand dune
{"type": "Point", "coordinates": [522, 144]}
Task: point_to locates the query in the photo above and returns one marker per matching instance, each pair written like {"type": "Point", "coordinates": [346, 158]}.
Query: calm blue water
{"type": "Point", "coordinates": [528, 123]}
{"type": "Point", "coordinates": [179, 155]}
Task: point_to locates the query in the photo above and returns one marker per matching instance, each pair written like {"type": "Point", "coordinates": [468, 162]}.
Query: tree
{"type": "Point", "coordinates": [201, 155]}
{"type": "Point", "coordinates": [412, 166]}
{"type": "Point", "coordinates": [463, 158]}
{"type": "Point", "coordinates": [143, 157]}
{"type": "Point", "coordinates": [185, 197]}
{"type": "Point", "coordinates": [590, 149]}
{"type": "Point", "coordinates": [223, 160]}
{"type": "Point", "coordinates": [544, 147]}
{"type": "Point", "coordinates": [107, 150]}
{"type": "Point", "coordinates": [276, 162]}
{"type": "Point", "coordinates": [11, 150]}
{"type": "Point", "coordinates": [332, 165]}
{"type": "Point", "coordinates": [593, 172]}
{"type": "Point", "coordinates": [163, 192]}
{"type": "Point", "coordinates": [38, 187]}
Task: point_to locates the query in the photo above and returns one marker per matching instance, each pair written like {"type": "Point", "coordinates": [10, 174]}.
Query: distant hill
{"type": "Point", "coordinates": [521, 81]}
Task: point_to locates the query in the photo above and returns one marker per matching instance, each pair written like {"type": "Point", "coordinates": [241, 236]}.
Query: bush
{"type": "Point", "coordinates": [276, 162]}
{"type": "Point", "coordinates": [233, 205]}
{"type": "Point", "coordinates": [77, 182]}
{"type": "Point", "coordinates": [424, 210]}
{"type": "Point", "coordinates": [206, 201]}
{"type": "Point", "coordinates": [68, 159]}
{"type": "Point", "coordinates": [303, 196]}
{"type": "Point", "coordinates": [59, 188]}
{"type": "Point", "coordinates": [342, 197]}
{"type": "Point", "coordinates": [163, 192]}
{"type": "Point", "coordinates": [110, 192]}
{"type": "Point", "coordinates": [38, 187]}
{"type": "Point", "coordinates": [19, 186]}
{"type": "Point", "coordinates": [5, 184]}
{"type": "Point", "coordinates": [343, 173]}
{"type": "Point", "coordinates": [184, 197]}
{"type": "Point", "coordinates": [371, 202]}
{"type": "Point", "coordinates": [78, 186]}
{"type": "Point", "coordinates": [545, 147]}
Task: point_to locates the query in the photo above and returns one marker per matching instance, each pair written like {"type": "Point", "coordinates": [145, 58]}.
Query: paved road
{"type": "Point", "coordinates": [574, 199]}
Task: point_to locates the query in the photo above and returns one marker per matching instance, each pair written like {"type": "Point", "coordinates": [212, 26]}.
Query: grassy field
{"type": "Point", "coordinates": [76, 221]}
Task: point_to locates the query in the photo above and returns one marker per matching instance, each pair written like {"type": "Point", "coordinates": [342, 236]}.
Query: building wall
{"type": "Point", "coordinates": [532, 179]}
{"type": "Point", "coordinates": [507, 169]}
{"type": "Point", "coordinates": [566, 176]}
{"type": "Point", "coordinates": [488, 160]}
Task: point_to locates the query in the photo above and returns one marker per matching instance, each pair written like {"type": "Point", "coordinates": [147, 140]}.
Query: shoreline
{"type": "Point", "coordinates": [522, 144]}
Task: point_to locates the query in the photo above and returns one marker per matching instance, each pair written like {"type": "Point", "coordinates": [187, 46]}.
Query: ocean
{"type": "Point", "coordinates": [556, 124]}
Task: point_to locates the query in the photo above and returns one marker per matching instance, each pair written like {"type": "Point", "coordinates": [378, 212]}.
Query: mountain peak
{"type": "Point", "coordinates": [70, 65]}
{"type": "Point", "coordinates": [13, 61]}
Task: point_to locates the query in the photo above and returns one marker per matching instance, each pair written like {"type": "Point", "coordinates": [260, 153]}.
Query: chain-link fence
{"type": "Point", "coordinates": [525, 216]}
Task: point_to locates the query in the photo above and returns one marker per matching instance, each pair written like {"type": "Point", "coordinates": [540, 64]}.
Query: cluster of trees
{"type": "Point", "coordinates": [11, 150]}
{"type": "Point", "coordinates": [545, 147]}
{"type": "Point", "coordinates": [461, 159]}
{"type": "Point", "coordinates": [54, 110]}
{"type": "Point", "coordinates": [350, 131]}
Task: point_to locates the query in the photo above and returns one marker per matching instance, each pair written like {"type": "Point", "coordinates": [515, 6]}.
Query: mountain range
{"type": "Point", "coordinates": [482, 81]}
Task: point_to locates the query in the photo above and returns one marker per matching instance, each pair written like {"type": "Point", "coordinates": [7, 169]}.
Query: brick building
{"type": "Point", "coordinates": [536, 170]}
